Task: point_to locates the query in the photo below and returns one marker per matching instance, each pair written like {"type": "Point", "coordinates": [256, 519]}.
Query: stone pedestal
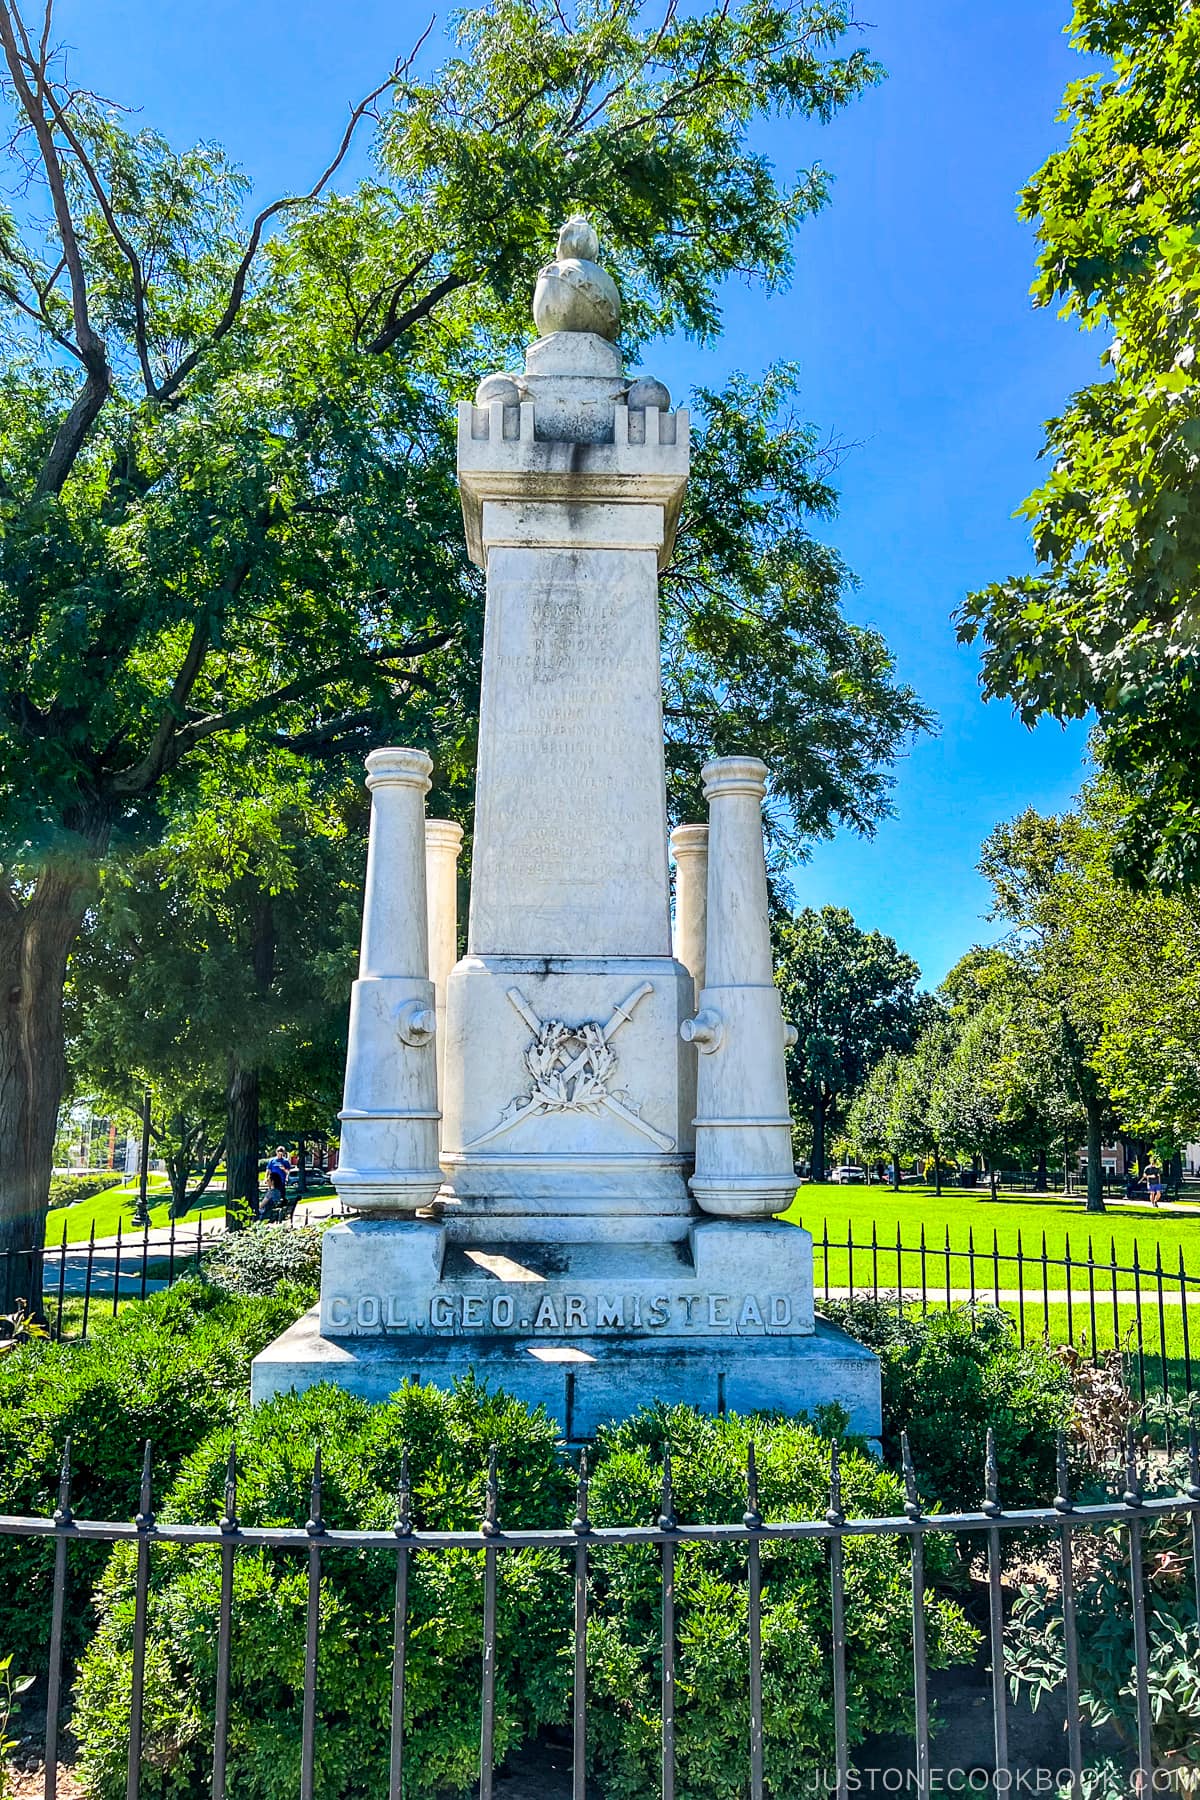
{"type": "Point", "coordinates": [584, 1062]}
{"type": "Point", "coordinates": [722, 1319]}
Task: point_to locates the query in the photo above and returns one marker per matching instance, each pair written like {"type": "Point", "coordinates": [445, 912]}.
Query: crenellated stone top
{"type": "Point", "coordinates": [573, 371]}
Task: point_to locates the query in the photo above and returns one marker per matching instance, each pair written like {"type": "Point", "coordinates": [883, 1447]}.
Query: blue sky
{"type": "Point", "coordinates": [909, 315]}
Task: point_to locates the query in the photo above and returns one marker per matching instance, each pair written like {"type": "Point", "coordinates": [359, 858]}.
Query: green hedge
{"type": "Point", "coordinates": [256, 1260]}
{"type": "Point", "coordinates": [947, 1376]}
{"type": "Point", "coordinates": [65, 1190]}
{"type": "Point", "coordinates": [170, 1369]}
{"type": "Point", "coordinates": [449, 1437]}
{"type": "Point", "coordinates": [712, 1699]}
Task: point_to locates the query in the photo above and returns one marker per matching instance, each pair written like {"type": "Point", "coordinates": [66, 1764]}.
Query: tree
{"type": "Point", "coordinates": [967, 1110]}
{"type": "Point", "coordinates": [1035, 866]}
{"type": "Point", "coordinates": [228, 519]}
{"type": "Point", "coordinates": [851, 995]}
{"type": "Point", "coordinates": [214, 971]}
{"type": "Point", "coordinates": [870, 1121]}
{"type": "Point", "coordinates": [1137, 957]}
{"type": "Point", "coordinates": [1107, 621]}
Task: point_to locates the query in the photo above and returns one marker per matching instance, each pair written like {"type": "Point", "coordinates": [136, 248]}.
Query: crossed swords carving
{"type": "Point", "coordinates": [575, 1067]}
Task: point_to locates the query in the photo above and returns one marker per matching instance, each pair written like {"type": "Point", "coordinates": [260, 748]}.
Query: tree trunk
{"type": "Point", "coordinates": [241, 1146]}
{"type": "Point", "coordinates": [1041, 1181]}
{"type": "Point", "coordinates": [1066, 1163]}
{"type": "Point", "coordinates": [895, 1172]}
{"type": "Point", "coordinates": [937, 1167]}
{"type": "Point", "coordinates": [1095, 1172]}
{"type": "Point", "coordinates": [35, 941]}
{"type": "Point", "coordinates": [818, 1149]}
{"type": "Point", "coordinates": [241, 1100]}
{"type": "Point", "coordinates": [993, 1177]}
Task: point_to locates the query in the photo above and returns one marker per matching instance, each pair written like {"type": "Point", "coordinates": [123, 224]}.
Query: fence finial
{"type": "Point", "coordinates": [1133, 1481]}
{"type": "Point", "coordinates": [912, 1504]}
{"type": "Point", "coordinates": [666, 1510]}
{"type": "Point", "coordinates": [316, 1523]}
{"type": "Point", "coordinates": [229, 1519]}
{"type": "Point", "coordinates": [991, 1477]}
{"type": "Point", "coordinates": [581, 1521]}
{"type": "Point", "coordinates": [491, 1512]}
{"type": "Point", "coordinates": [1062, 1499]}
{"type": "Point", "coordinates": [404, 1521]}
{"type": "Point", "coordinates": [145, 1517]}
{"type": "Point", "coordinates": [752, 1517]}
{"type": "Point", "coordinates": [62, 1512]}
{"type": "Point", "coordinates": [836, 1514]}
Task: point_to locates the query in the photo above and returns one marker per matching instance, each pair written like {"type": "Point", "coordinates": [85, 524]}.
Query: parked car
{"type": "Point", "coordinates": [847, 1172]}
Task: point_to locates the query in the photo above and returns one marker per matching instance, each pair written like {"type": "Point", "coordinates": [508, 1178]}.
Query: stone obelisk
{"type": "Point", "coordinates": [559, 1103]}
{"type": "Point", "coordinates": [614, 1140]}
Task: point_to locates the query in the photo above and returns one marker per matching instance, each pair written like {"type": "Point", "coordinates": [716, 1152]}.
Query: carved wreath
{"type": "Point", "coordinates": [570, 1066]}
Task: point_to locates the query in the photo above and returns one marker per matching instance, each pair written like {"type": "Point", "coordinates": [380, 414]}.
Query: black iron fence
{"type": "Point", "coordinates": [80, 1280]}
{"type": "Point", "coordinates": [1054, 1528]}
{"type": "Point", "coordinates": [1139, 1307]}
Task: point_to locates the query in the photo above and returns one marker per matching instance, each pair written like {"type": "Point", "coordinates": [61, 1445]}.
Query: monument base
{"type": "Point", "coordinates": [590, 1382]}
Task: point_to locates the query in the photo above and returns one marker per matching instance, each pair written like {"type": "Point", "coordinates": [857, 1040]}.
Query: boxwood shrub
{"type": "Point", "coordinates": [170, 1369]}
{"type": "Point", "coordinates": [65, 1190]}
{"type": "Point", "coordinates": [946, 1377]}
{"type": "Point", "coordinates": [256, 1260]}
{"type": "Point", "coordinates": [712, 1701]}
{"type": "Point", "coordinates": [448, 1436]}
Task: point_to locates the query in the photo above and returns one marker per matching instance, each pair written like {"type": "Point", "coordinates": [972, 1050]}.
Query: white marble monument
{"type": "Point", "coordinates": [565, 1152]}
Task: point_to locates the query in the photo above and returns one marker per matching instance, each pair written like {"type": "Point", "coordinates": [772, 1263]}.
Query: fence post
{"type": "Point", "coordinates": [991, 1506]}
{"type": "Point", "coordinates": [1063, 1504]}
{"type": "Point", "coordinates": [912, 1510]}
{"type": "Point", "coordinates": [1162, 1325]}
{"type": "Point", "coordinates": [62, 1520]}
{"type": "Point", "coordinates": [581, 1526]}
{"type": "Point", "coordinates": [308, 1723]}
{"type": "Point", "coordinates": [1141, 1344]}
{"type": "Point", "coordinates": [403, 1529]}
{"type": "Point", "coordinates": [971, 1265]}
{"type": "Point", "coordinates": [229, 1531]}
{"type": "Point", "coordinates": [62, 1281]}
{"type": "Point", "coordinates": [667, 1522]}
{"type": "Point", "coordinates": [1092, 1300]}
{"type": "Point", "coordinates": [117, 1271]}
{"type": "Point", "coordinates": [87, 1282]}
{"type": "Point", "coordinates": [1187, 1341]}
{"type": "Point", "coordinates": [836, 1517]}
{"type": "Point", "coordinates": [1137, 1589]}
{"type": "Point", "coordinates": [145, 1526]}
{"type": "Point", "coordinates": [752, 1519]}
{"type": "Point", "coordinates": [487, 1727]}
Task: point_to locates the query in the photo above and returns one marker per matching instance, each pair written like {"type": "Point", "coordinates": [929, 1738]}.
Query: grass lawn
{"type": "Point", "coordinates": [116, 1205]}
{"type": "Point", "coordinates": [994, 1226]}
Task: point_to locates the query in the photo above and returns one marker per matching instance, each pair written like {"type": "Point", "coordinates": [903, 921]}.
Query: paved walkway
{"type": "Point", "coordinates": [155, 1246]}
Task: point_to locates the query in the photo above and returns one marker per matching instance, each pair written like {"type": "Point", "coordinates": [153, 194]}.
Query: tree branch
{"type": "Point", "coordinates": [170, 387]}
{"type": "Point", "coordinates": [72, 433]}
{"type": "Point", "coordinates": [396, 327]}
{"type": "Point", "coordinates": [182, 739]}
